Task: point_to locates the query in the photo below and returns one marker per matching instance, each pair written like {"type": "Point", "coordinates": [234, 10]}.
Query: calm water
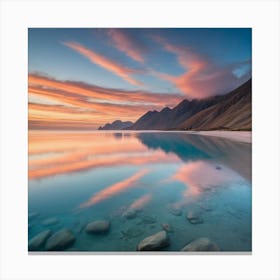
{"type": "Point", "coordinates": [79, 177]}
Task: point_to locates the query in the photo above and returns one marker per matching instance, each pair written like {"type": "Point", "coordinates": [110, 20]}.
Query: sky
{"type": "Point", "coordinates": [83, 78]}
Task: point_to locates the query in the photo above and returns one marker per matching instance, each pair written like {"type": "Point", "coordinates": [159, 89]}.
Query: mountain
{"type": "Point", "coordinates": [116, 125]}
{"type": "Point", "coordinates": [231, 111]}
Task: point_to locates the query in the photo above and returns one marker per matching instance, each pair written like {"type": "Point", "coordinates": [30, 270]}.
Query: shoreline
{"type": "Point", "coordinates": [239, 136]}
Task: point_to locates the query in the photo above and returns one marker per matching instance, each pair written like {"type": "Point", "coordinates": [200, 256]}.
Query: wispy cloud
{"type": "Point", "coordinates": [126, 44]}
{"type": "Point", "coordinates": [75, 89]}
{"type": "Point", "coordinates": [202, 77]}
{"type": "Point", "coordinates": [106, 63]}
{"type": "Point", "coordinates": [84, 106]}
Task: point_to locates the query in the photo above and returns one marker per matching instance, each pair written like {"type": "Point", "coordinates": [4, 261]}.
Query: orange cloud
{"type": "Point", "coordinates": [104, 62]}
{"type": "Point", "coordinates": [87, 91]}
{"type": "Point", "coordinates": [126, 45]}
{"type": "Point", "coordinates": [77, 105]}
{"type": "Point", "coordinates": [115, 189]}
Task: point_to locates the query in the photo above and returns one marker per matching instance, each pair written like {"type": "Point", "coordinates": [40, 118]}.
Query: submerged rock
{"type": "Point", "coordinates": [39, 240]}
{"type": "Point", "coordinates": [167, 227]}
{"type": "Point", "coordinates": [154, 242]}
{"type": "Point", "coordinates": [60, 240]}
{"type": "Point", "coordinates": [201, 244]}
{"type": "Point", "coordinates": [194, 217]}
{"type": "Point", "coordinates": [130, 214]}
{"type": "Point", "coordinates": [101, 226]}
{"type": "Point", "coordinates": [131, 233]}
{"type": "Point", "coordinates": [50, 221]}
{"type": "Point", "coordinates": [147, 220]}
{"type": "Point", "coordinates": [175, 211]}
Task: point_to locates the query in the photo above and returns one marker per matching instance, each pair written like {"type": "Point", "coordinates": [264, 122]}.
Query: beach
{"type": "Point", "coordinates": [239, 136]}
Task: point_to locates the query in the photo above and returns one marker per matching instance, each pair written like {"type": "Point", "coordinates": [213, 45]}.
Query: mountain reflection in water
{"type": "Point", "coordinates": [78, 177]}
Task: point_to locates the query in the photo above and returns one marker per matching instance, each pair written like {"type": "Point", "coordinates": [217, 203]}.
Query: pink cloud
{"type": "Point", "coordinates": [202, 78]}
{"type": "Point", "coordinates": [125, 44]}
{"type": "Point", "coordinates": [104, 62]}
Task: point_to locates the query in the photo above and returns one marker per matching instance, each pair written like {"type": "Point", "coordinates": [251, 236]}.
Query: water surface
{"type": "Point", "coordinates": [79, 177]}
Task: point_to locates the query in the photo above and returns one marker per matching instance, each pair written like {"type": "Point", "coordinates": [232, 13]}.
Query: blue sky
{"type": "Point", "coordinates": [153, 63]}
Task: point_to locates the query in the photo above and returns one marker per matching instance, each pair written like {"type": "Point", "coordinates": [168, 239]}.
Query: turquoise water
{"type": "Point", "coordinates": [79, 177]}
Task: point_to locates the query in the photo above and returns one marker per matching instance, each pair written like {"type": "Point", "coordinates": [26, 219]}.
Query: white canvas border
{"type": "Point", "coordinates": [262, 16]}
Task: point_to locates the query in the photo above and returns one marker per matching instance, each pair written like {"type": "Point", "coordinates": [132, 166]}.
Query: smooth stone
{"type": "Point", "coordinates": [98, 227]}
{"type": "Point", "coordinates": [154, 242]}
{"type": "Point", "coordinates": [50, 221]}
{"type": "Point", "coordinates": [131, 233]}
{"type": "Point", "coordinates": [60, 240]}
{"type": "Point", "coordinates": [38, 240]}
{"type": "Point", "coordinates": [201, 244]}
{"type": "Point", "coordinates": [167, 227]}
{"type": "Point", "coordinates": [130, 214]}
{"type": "Point", "coordinates": [147, 220]}
{"type": "Point", "coordinates": [175, 211]}
{"type": "Point", "coordinates": [194, 217]}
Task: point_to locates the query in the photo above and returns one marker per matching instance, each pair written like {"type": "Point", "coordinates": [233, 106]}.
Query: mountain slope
{"type": "Point", "coordinates": [230, 111]}
{"type": "Point", "coordinates": [171, 118]}
{"type": "Point", "coordinates": [116, 125]}
{"type": "Point", "coordinates": [234, 112]}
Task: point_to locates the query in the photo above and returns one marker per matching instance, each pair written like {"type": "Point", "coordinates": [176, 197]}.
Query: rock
{"type": "Point", "coordinates": [131, 233]}
{"type": "Point", "coordinates": [175, 211]}
{"type": "Point", "coordinates": [194, 217]}
{"type": "Point", "coordinates": [207, 189]}
{"type": "Point", "coordinates": [60, 240]}
{"type": "Point", "coordinates": [147, 220]}
{"type": "Point", "coordinates": [50, 221]}
{"type": "Point", "coordinates": [130, 214]}
{"type": "Point", "coordinates": [98, 227]}
{"type": "Point", "coordinates": [38, 240]}
{"type": "Point", "coordinates": [218, 167]}
{"type": "Point", "coordinates": [154, 242]}
{"type": "Point", "coordinates": [201, 244]}
{"type": "Point", "coordinates": [118, 212]}
{"type": "Point", "coordinates": [167, 227]}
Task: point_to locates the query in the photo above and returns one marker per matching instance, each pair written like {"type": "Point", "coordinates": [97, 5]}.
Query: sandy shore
{"type": "Point", "coordinates": [240, 136]}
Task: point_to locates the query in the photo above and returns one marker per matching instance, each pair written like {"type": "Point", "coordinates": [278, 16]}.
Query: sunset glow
{"type": "Point", "coordinates": [80, 79]}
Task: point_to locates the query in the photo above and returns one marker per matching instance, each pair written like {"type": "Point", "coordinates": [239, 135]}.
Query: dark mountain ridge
{"type": "Point", "coordinates": [231, 111]}
{"type": "Point", "coordinates": [116, 125]}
